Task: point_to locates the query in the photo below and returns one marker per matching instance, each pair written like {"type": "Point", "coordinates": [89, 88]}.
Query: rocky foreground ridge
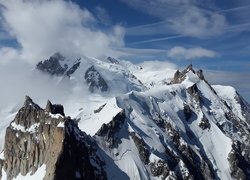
{"type": "Point", "coordinates": [39, 137]}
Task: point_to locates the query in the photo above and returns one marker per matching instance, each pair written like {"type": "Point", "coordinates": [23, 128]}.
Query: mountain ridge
{"type": "Point", "coordinates": [178, 127]}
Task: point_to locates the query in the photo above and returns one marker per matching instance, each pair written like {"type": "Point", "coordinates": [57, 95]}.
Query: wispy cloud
{"type": "Point", "coordinates": [44, 27]}
{"type": "Point", "coordinates": [234, 9]}
{"type": "Point", "coordinates": [183, 17]}
{"type": "Point", "coordinates": [182, 53]}
{"type": "Point", "coordinates": [189, 19]}
{"type": "Point", "coordinates": [102, 15]}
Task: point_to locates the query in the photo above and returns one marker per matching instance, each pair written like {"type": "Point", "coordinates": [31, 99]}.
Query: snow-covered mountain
{"type": "Point", "coordinates": [133, 122]}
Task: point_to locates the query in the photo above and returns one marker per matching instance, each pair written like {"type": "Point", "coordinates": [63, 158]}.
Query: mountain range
{"type": "Point", "coordinates": [131, 122]}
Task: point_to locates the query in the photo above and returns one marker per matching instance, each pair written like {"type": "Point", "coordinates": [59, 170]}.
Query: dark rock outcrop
{"type": "Point", "coordinates": [193, 91]}
{"type": "Point", "coordinates": [180, 76]}
{"type": "Point", "coordinates": [78, 159]}
{"type": "Point", "coordinates": [56, 65]}
{"type": "Point", "coordinates": [200, 74]}
{"type": "Point", "coordinates": [73, 68]}
{"type": "Point", "coordinates": [141, 147]}
{"type": "Point", "coordinates": [108, 131]}
{"type": "Point", "coordinates": [197, 165]}
{"type": "Point", "coordinates": [95, 80]}
{"type": "Point", "coordinates": [187, 112]}
{"type": "Point", "coordinates": [239, 165]}
{"type": "Point", "coordinates": [100, 108]}
{"type": "Point", "coordinates": [159, 168]}
{"type": "Point", "coordinates": [54, 108]}
{"type": "Point", "coordinates": [53, 65]}
{"type": "Point", "coordinates": [204, 124]}
{"type": "Point", "coordinates": [112, 60]}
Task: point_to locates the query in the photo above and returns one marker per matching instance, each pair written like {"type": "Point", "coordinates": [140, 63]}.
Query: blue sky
{"type": "Point", "coordinates": [152, 30]}
{"type": "Point", "coordinates": [212, 35]}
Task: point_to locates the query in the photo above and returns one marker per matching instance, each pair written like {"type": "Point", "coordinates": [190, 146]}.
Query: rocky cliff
{"type": "Point", "coordinates": [39, 137]}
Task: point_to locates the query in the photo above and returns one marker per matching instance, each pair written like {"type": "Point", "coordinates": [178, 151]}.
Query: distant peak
{"type": "Point", "coordinates": [53, 65]}
{"type": "Point", "coordinates": [58, 56]}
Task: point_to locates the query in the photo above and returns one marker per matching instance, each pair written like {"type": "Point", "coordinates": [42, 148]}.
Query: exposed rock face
{"type": "Point", "coordinates": [112, 60]}
{"type": "Point", "coordinates": [37, 136]}
{"type": "Point", "coordinates": [197, 165]}
{"type": "Point", "coordinates": [78, 159]}
{"type": "Point", "coordinates": [95, 80]}
{"type": "Point", "coordinates": [187, 112]}
{"type": "Point", "coordinates": [200, 74]}
{"type": "Point", "coordinates": [204, 124]}
{"type": "Point", "coordinates": [193, 91]}
{"type": "Point", "coordinates": [180, 76]}
{"type": "Point", "coordinates": [159, 168]}
{"type": "Point", "coordinates": [100, 108]}
{"type": "Point", "coordinates": [108, 131]}
{"type": "Point", "coordinates": [73, 68]}
{"type": "Point", "coordinates": [141, 147]}
{"type": "Point", "coordinates": [33, 139]}
{"type": "Point", "coordinates": [53, 65]}
{"type": "Point", "coordinates": [57, 65]}
{"type": "Point", "coordinates": [240, 167]}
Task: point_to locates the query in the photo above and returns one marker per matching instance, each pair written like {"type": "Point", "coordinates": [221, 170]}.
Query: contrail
{"type": "Point", "coordinates": [159, 39]}
{"type": "Point", "coordinates": [234, 9]}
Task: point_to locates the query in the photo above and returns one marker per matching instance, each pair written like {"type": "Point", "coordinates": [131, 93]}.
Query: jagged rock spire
{"type": "Point", "coordinates": [179, 76]}
{"type": "Point", "coordinates": [200, 74]}
{"type": "Point", "coordinates": [29, 102]}
{"type": "Point", "coordinates": [190, 67]}
{"type": "Point", "coordinates": [53, 65]}
{"type": "Point", "coordinates": [54, 108]}
{"type": "Point", "coordinates": [48, 106]}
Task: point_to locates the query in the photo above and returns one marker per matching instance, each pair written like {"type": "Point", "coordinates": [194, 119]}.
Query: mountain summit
{"type": "Point", "coordinates": [138, 124]}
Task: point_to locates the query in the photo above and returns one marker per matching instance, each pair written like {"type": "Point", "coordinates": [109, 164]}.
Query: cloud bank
{"type": "Point", "coordinates": [42, 28]}
{"type": "Point", "coordinates": [182, 53]}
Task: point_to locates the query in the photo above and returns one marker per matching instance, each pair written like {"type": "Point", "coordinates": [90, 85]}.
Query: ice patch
{"type": "Point", "coordinates": [55, 116]}
{"type": "Point", "coordinates": [61, 125]}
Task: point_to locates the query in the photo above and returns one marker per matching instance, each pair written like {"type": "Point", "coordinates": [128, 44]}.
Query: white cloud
{"type": "Point", "coordinates": [44, 27]}
{"type": "Point", "coordinates": [178, 52]}
{"type": "Point", "coordinates": [159, 66]}
{"type": "Point", "coordinates": [197, 23]}
{"type": "Point", "coordinates": [8, 54]}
